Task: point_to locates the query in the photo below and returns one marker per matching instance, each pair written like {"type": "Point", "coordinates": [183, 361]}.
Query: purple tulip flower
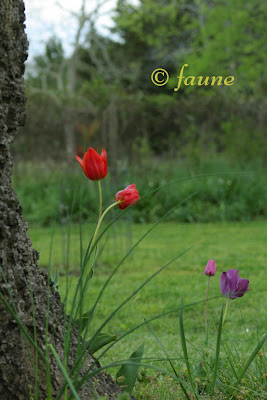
{"type": "Point", "coordinates": [210, 268]}
{"type": "Point", "coordinates": [232, 285]}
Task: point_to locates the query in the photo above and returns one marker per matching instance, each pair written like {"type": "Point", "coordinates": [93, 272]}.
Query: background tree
{"type": "Point", "coordinates": [115, 103]}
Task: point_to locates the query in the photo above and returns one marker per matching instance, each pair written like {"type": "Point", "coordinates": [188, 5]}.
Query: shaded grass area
{"type": "Point", "coordinates": [232, 245]}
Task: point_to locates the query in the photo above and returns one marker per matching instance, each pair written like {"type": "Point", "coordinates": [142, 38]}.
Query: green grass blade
{"type": "Point", "coordinates": [251, 358]}
{"type": "Point", "coordinates": [218, 346]}
{"type": "Point", "coordinates": [25, 333]}
{"type": "Point", "coordinates": [64, 372]}
{"type": "Point", "coordinates": [48, 375]}
{"type": "Point", "coordinates": [36, 383]}
{"type": "Point", "coordinates": [168, 358]}
{"type": "Point", "coordinates": [229, 354]}
{"type": "Point", "coordinates": [80, 229]}
{"type": "Point", "coordinates": [184, 347]}
{"type": "Point", "coordinates": [26, 339]}
{"type": "Point", "coordinates": [55, 281]}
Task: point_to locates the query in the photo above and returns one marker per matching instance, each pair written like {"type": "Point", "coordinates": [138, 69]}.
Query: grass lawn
{"type": "Point", "coordinates": [232, 245]}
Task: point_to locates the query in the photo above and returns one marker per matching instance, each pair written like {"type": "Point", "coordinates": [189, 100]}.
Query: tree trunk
{"type": "Point", "coordinates": [21, 281]}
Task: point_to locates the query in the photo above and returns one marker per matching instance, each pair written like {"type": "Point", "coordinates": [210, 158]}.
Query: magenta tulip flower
{"type": "Point", "coordinates": [210, 268]}
{"type": "Point", "coordinates": [209, 271]}
{"type": "Point", "coordinates": [232, 285]}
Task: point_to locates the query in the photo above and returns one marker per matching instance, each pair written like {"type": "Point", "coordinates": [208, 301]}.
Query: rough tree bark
{"type": "Point", "coordinates": [18, 260]}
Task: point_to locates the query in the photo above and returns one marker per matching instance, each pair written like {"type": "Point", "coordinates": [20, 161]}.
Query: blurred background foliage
{"type": "Point", "coordinates": [102, 96]}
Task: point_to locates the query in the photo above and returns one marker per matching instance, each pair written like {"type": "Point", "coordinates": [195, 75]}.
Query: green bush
{"type": "Point", "coordinates": [221, 192]}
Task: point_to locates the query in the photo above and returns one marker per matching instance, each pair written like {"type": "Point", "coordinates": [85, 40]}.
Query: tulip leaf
{"type": "Point", "coordinates": [127, 374]}
{"type": "Point", "coordinates": [100, 341]}
{"type": "Point", "coordinates": [91, 273]}
{"type": "Point", "coordinates": [86, 318]}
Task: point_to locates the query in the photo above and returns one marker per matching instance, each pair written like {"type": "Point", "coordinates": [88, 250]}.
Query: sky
{"type": "Point", "coordinates": [53, 17]}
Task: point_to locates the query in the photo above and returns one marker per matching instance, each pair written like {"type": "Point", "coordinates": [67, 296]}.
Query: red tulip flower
{"type": "Point", "coordinates": [127, 196]}
{"type": "Point", "coordinates": [210, 268]}
{"type": "Point", "coordinates": [94, 165]}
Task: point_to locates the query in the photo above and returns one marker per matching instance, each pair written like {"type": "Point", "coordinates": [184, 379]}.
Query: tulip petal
{"type": "Point", "coordinates": [224, 283]}
{"type": "Point", "coordinates": [132, 187]}
{"type": "Point", "coordinates": [94, 165]}
{"type": "Point", "coordinates": [105, 163]}
{"type": "Point", "coordinates": [91, 162]}
{"type": "Point", "coordinates": [232, 285]}
{"type": "Point", "coordinates": [80, 161]}
{"type": "Point", "coordinates": [104, 155]}
{"type": "Point", "coordinates": [210, 268]}
{"type": "Point", "coordinates": [233, 277]}
{"type": "Point", "coordinates": [241, 287]}
{"type": "Point", "coordinates": [127, 196]}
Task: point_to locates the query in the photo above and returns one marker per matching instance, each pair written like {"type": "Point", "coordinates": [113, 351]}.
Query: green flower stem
{"type": "Point", "coordinates": [97, 230]}
{"type": "Point", "coordinates": [100, 198]}
{"type": "Point", "coordinates": [100, 222]}
{"type": "Point", "coordinates": [207, 299]}
{"type": "Point", "coordinates": [226, 308]}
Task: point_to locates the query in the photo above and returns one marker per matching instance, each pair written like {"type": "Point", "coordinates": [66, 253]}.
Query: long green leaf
{"type": "Point", "coordinates": [85, 377]}
{"type": "Point", "coordinates": [127, 374]}
{"type": "Point", "coordinates": [219, 336]}
{"type": "Point", "coordinates": [124, 302]}
{"type": "Point", "coordinates": [100, 341]}
{"type": "Point", "coordinates": [170, 362]}
{"type": "Point", "coordinates": [154, 318]}
{"type": "Point", "coordinates": [184, 179]}
{"type": "Point", "coordinates": [135, 245]}
{"type": "Point", "coordinates": [86, 318]}
{"type": "Point", "coordinates": [179, 180]}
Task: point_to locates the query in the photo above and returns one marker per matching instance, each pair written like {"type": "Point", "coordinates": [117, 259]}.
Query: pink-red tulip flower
{"type": "Point", "coordinates": [127, 196]}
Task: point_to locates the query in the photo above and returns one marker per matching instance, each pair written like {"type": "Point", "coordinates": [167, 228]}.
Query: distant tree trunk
{"type": "Point", "coordinates": [69, 133]}
{"type": "Point", "coordinates": [18, 260]}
